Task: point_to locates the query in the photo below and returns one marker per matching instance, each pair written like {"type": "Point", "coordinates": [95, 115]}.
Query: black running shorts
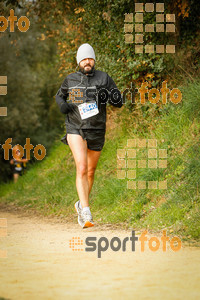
{"type": "Point", "coordinates": [95, 137]}
{"type": "Point", "coordinates": [17, 172]}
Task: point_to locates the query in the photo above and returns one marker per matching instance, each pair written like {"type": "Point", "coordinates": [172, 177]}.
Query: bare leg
{"type": "Point", "coordinates": [86, 162]}
{"type": "Point", "coordinates": [92, 158]}
{"type": "Point", "coordinates": [78, 147]}
{"type": "Point", "coordinates": [15, 177]}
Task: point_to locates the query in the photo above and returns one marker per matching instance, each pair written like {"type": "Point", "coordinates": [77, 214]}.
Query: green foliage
{"type": "Point", "coordinates": [29, 65]}
{"type": "Point", "coordinates": [37, 61]}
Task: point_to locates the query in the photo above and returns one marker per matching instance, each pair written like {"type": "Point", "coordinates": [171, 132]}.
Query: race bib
{"type": "Point", "coordinates": [88, 110]}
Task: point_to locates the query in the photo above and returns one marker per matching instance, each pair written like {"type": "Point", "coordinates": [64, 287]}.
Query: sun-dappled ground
{"type": "Point", "coordinates": [41, 265]}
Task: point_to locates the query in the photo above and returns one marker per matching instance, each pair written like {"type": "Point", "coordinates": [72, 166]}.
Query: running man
{"type": "Point", "coordinates": [18, 163]}
{"type": "Point", "coordinates": [87, 91]}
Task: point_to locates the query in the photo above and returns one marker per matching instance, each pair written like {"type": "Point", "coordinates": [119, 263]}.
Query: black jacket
{"type": "Point", "coordinates": [96, 87]}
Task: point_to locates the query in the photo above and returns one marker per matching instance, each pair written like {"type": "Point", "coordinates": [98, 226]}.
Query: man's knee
{"type": "Point", "coordinates": [81, 169]}
{"type": "Point", "coordinates": [91, 172]}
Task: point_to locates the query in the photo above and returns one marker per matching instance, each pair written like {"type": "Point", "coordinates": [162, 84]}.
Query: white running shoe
{"type": "Point", "coordinates": [78, 210]}
{"type": "Point", "coordinates": [86, 219]}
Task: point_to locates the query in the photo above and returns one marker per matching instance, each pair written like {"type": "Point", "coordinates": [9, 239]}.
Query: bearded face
{"type": "Point", "coordinates": [87, 65]}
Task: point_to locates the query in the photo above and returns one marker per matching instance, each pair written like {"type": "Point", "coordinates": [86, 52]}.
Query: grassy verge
{"type": "Point", "coordinates": [49, 186]}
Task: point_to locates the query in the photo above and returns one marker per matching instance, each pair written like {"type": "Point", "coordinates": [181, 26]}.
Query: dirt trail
{"type": "Point", "coordinates": [41, 265]}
